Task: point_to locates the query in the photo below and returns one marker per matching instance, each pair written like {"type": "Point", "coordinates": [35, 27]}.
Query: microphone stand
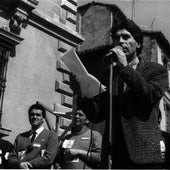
{"type": "Point", "coordinates": [110, 113]}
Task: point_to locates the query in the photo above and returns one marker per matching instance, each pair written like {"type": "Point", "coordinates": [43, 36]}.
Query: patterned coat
{"type": "Point", "coordinates": [135, 129]}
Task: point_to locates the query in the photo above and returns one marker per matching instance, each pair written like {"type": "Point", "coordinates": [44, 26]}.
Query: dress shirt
{"type": "Point", "coordinates": [38, 131]}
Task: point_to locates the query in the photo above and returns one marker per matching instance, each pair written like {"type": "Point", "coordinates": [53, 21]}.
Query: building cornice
{"type": "Point", "coordinates": [42, 21]}
{"type": "Point", "coordinates": [9, 39]}
{"type": "Point", "coordinates": [4, 132]}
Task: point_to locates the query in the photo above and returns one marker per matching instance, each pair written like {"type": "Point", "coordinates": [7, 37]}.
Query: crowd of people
{"type": "Point", "coordinates": [137, 141]}
{"type": "Point", "coordinates": [39, 148]}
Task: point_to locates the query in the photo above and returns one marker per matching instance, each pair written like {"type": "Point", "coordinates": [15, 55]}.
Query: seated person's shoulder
{"type": "Point", "coordinates": [97, 132]}
{"type": "Point", "coordinates": [23, 134]}
{"type": "Point", "coordinates": [6, 143]}
{"type": "Point", "coordinates": [51, 133]}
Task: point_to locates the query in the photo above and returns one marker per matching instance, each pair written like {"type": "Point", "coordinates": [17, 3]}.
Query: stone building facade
{"type": "Point", "coordinates": [33, 35]}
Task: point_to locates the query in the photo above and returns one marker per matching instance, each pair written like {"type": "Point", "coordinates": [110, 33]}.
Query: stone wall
{"type": "Point", "coordinates": [34, 73]}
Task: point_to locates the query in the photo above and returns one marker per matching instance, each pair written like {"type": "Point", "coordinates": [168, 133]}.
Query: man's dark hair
{"type": "Point", "coordinates": [130, 26]}
{"type": "Point", "coordinates": [39, 107]}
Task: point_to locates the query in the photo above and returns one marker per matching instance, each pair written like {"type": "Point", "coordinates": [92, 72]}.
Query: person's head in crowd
{"type": "Point", "coordinates": [128, 35]}
{"type": "Point", "coordinates": [36, 115]}
{"type": "Point", "coordinates": [79, 119]}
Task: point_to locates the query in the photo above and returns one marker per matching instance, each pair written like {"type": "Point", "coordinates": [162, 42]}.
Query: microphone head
{"type": "Point", "coordinates": [120, 47]}
{"type": "Point", "coordinates": [112, 55]}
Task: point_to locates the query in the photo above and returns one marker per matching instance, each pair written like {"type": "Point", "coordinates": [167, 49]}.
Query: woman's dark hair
{"type": "Point", "coordinates": [130, 26]}
{"type": "Point", "coordinates": [39, 107]}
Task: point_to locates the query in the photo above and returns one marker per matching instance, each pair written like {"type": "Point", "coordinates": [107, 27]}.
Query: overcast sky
{"type": "Point", "coordinates": [151, 14]}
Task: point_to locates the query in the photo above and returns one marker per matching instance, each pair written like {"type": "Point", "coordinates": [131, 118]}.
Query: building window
{"type": "Point", "coordinates": [8, 42]}
{"type": "Point", "coordinates": [4, 55]}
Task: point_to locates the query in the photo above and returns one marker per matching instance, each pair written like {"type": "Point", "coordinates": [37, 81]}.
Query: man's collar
{"type": "Point", "coordinates": [38, 131]}
{"type": "Point", "coordinates": [134, 63]}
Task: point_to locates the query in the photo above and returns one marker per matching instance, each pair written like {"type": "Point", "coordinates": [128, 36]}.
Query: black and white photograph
{"type": "Point", "coordinates": [84, 84]}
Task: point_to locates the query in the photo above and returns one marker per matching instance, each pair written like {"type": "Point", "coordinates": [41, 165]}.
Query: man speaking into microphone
{"type": "Point", "coordinates": [137, 90]}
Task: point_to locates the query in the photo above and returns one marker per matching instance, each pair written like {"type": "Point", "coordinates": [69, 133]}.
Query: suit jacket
{"type": "Point", "coordinates": [40, 153]}
{"type": "Point", "coordinates": [135, 129]}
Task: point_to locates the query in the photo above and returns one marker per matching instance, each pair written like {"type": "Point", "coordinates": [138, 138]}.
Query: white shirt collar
{"type": "Point", "coordinates": [134, 63]}
{"type": "Point", "coordinates": [38, 131]}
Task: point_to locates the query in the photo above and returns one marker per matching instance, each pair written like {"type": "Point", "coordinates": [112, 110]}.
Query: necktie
{"type": "Point", "coordinates": [33, 136]}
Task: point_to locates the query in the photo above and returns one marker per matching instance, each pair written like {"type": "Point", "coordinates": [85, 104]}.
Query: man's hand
{"type": "Point", "coordinates": [121, 56]}
{"type": "Point", "coordinates": [25, 165]}
{"type": "Point", "coordinates": [74, 153]}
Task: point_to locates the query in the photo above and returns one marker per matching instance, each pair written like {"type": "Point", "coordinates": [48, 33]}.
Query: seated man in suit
{"type": "Point", "coordinates": [37, 147]}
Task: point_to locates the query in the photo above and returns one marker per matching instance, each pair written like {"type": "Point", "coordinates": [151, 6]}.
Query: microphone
{"type": "Point", "coordinates": [112, 55]}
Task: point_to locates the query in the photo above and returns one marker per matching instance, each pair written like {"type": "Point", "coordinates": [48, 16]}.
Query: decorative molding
{"type": "Point", "coordinates": [35, 2]}
{"type": "Point", "coordinates": [63, 89]}
{"type": "Point", "coordinates": [69, 6]}
{"type": "Point", "coordinates": [66, 78]}
{"type": "Point", "coordinates": [74, 2]}
{"type": "Point", "coordinates": [61, 47]}
{"type": "Point", "coordinates": [28, 5]}
{"type": "Point", "coordinates": [66, 101]}
{"type": "Point", "coordinates": [4, 132]}
{"type": "Point", "coordinates": [56, 29]}
{"type": "Point", "coordinates": [71, 17]}
{"type": "Point", "coordinates": [64, 122]}
{"type": "Point", "coordinates": [60, 108]}
{"type": "Point", "coordinates": [62, 67]}
{"type": "Point", "coordinates": [18, 20]}
{"type": "Point", "coordinates": [20, 15]}
{"type": "Point", "coordinates": [6, 28]}
{"type": "Point", "coordinates": [9, 39]}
